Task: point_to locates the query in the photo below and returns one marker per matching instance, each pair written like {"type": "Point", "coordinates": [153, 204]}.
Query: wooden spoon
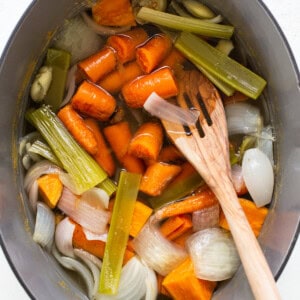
{"type": "Point", "coordinates": [205, 145]}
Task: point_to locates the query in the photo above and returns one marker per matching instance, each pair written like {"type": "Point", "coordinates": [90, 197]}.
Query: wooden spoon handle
{"type": "Point", "coordinates": [255, 265]}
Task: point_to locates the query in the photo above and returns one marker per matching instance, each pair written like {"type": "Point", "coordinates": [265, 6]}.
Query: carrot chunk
{"type": "Point", "coordinates": [93, 101]}
{"type": "Point", "coordinates": [98, 65]}
{"type": "Point", "coordinates": [170, 154]}
{"type": "Point", "coordinates": [50, 189]}
{"type": "Point", "coordinates": [153, 52]}
{"type": "Point", "coordinates": [157, 176]}
{"type": "Point", "coordinates": [161, 81]}
{"type": "Point", "coordinates": [103, 156]}
{"type": "Point", "coordinates": [114, 81]}
{"type": "Point", "coordinates": [78, 129]}
{"type": "Point", "coordinates": [125, 44]}
{"type": "Point", "coordinates": [147, 141]}
{"type": "Point", "coordinates": [182, 283]}
{"type": "Point", "coordinates": [140, 216]}
{"type": "Point", "coordinates": [174, 59]}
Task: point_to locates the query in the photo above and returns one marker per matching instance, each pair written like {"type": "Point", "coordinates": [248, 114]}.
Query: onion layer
{"type": "Point", "coordinates": [206, 218]}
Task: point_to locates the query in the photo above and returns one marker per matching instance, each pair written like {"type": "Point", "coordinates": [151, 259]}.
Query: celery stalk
{"type": "Point", "coordinates": [118, 233]}
{"type": "Point", "coordinates": [84, 171]}
{"type": "Point", "coordinates": [108, 186]}
{"type": "Point", "coordinates": [219, 64]}
{"type": "Point", "coordinates": [185, 24]}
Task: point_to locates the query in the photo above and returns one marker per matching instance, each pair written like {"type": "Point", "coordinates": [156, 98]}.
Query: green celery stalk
{"type": "Point", "coordinates": [185, 24]}
{"type": "Point", "coordinates": [85, 172]}
{"type": "Point", "coordinates": [108, 186]}
{"type": "Point", "coordinates": [118, 233]}
{"type": "Point", "coordinates": [59, 60]}
{"type": "Point", "coordinates": [219, 64]}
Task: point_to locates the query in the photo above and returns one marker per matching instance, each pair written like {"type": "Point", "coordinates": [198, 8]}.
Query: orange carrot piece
{"type": "Point", "coordinates": [255, 215]}
{"type": "Point", "coordinates": [103, 156]}
{"type": "Point", "coordinates": [161, 81]}
{"type": "Point", "coordinates": [161, 289]}
{"type": "Point", "coordinates": [141, 214]}
{"type": "Point", "coordinates": [78, 129]}
{"type": "Point", "coordinates": [175, 226]}
{"type": "Point", "coordinates": [170, 154]}
{"type": "Point", "coordinates": [181, 240]}
{"type": "Point", "coordinates": [204, 199]}
{"type": "Point", "coordinates": [153, 52]}
{"type": "Point", "coordinates": [50, 189]}
{"type": "Point", "coordinates": [93, 101]}
{"type": "Point", "coordinates": [127, 256]}
{"type": "Point", "coordinates": [114, 81]}
{"type": "Point", "coordinates": [174, 60]}
{"type": "Point", "coordinates": [236, 97]}
{"type": "Point", "coordinates": [119, 137]}
{"type": "Point", "coordinates": [182, 283]}
{"type": "Point", "coordinates": [147, 141]}
{"type": "Point", "coordinates": [98, 65]}
{"type": "Point", "coordinates": [125, 43]}
{"type": "Point", "coordinates": [157, 176]}
{"type": "Point", "coordinates": [113, 13]}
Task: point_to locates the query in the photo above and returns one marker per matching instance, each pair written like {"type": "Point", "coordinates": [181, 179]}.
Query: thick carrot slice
{"type": "Point", "coordinates": [79, 130]}
{"type": "Point", "coordinates": [174, 60]}
{"type": "Point", "coordinates": [161, 289]}
{"type": "Point", "coordinates": [182, 283]}
{"type": "Point", "coordinates": [114, 81]}
{"type": "Point", "coordinates": [157, 177]}
{"type": "Point", "coordinates": [103, 156]}
{"type": "Point", "coordinates": [93, 101]}
{"type": "Point", "coordinates": [147, 141]}
{"type": "Point", "coordinates": [133, 164]}
{"type": "Point", "coordinates": [255, 215]}
{"type": "Point", "coordinates": [99, 64]}
{"type": "Point", "coordinates": [161, 81]}
{"type": "Point", "coordinates": [125, 44]}
{"type": "Point", "coordinates": [153, 52]}
{"type": "Point", "coordinates": [181, 240]}
{"type": "Point", "coordinates": [170, 154]}
{"type": "Point", "coordinates": [113, 13]}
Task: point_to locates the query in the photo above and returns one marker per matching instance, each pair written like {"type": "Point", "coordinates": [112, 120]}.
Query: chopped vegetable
{"type": "Point", "coordinates": [118, 232]}
{"type": "Point", "coordinates": [198, 9]}
{"type": "Point", "coordinates": [160, 81]}
{"type": "Point", "coordinates": [79, 130]}
{"type": "Point", "coordinates": [84, 171]}
{"type": "Point", "coordinates": [174, 60]}
{"type": "Point", "coordinates": [153, 52]}
{"type": "Point", "coordinates": [50, 188]}
{"type": "Point", "coordinates": [207, 217]}
{"type": "Point", "coordinates": [170, 154]}
{"type": "Point", "coordinates": [59, 61]}
{"type": "Point", "coordinates": [219, 64]}
{"type": "Point", "coordinates": [41, 84]}
{"type": "Point", "coordinates": [185, 24]}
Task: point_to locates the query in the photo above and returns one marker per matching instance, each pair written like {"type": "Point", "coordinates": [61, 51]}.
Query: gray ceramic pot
{"type": "Point", "coordinates": [267, 51]}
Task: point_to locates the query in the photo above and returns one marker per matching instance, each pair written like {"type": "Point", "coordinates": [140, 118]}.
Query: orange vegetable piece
{"type": "Point", "coordinates": [78, 129]}
{"type": "Point", "coordinates": [125, 43]}
{"type": "Point", "coordinates": [161, 289]}
{"type": "Point", "coordinates": [170, 154]}
{"type": "Point", "coordinates": [114, 81]}
{"type": "Point", "coordinates": [175, 226]}
{"type": "Point", "coordinates": [147, 141]}
{"type": "Point", "coordinates": [153, 52]}
{"type": "Point", "coordinates": [236, 97]}
{"type": "Point", "coordinates": [174, 59]}
{"type": "Point", "coordinates": [157, 176]}
{"type": "Point", "coordinates": [161, 81]}
{"type": "Point", "coordinates": [113, 13]}
{"type": "Point", "coordinates": [50, 189]}
{"type": "Point", "coordinates": [133, 164]}
{"type": "Point", "coordinates": [182, 283]}
{"type": "Point", "coordinates": [103, 156]}
{"type": "Point", "coordinates": [181, 240]}
{"type": "Point", "coordinates": [98, 65]}
{"type": "Point", "coordinates": [93, 101]}
{"type": "Point", "coordinates": [255, 215]}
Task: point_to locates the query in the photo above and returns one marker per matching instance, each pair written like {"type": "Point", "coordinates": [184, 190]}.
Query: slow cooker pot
{"type": "Point", "coordinates": [266, 51]}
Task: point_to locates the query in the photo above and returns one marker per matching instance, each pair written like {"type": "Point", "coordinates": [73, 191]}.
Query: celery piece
{"type": "Point", "coordinates": [177, 191]}
{"type": "Point", "coordinates": [108, 186]}
{"type": "Point", "coordinates": [42, 149]}
{"type": "Point", "coordinates": [185, 24]}
{"type": "Point", "coordinates": [59, 60]}
{"type": "Point", "coordinates": [219, 64]}
{"type": "Point", "coordinates": [85, 172]}
{"type": "Point", "coordinates": [118, 233]}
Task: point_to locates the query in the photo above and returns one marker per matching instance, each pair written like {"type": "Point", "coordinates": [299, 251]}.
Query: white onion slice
{"type": "Point", "coordinates": [102, 30]}
{"type": "Point", "coordinates": [258, 175]}
{"type": "Point", "coordinates": [29, 138]}
{"type": "Point", "coordinates": [151, 285]}
{"type": "Point", "coordinates": [243, 118]}
{"type": "Point", "coordinates": [162, 109]}
{"type": "Point", "coordinates": [33, 194]}
{"type": "Point", "coordinates": [206, 218]}
{"type": "Point", "coordinates": [91, 236]}
{"type": "Point", "coordinates": [156, 251]}
{"type": "Point", "coordinates": [89, 215]}
{"type": "Point", "coordinates": [64, 237]}
{"type": "Point", "coordinates": [96, 197]}
{"type": "Point", "coordinates": [44, 225]}
{"type": "Point", "coordinates": [68, 182]}
{"type": "Point", "coordinates": [238, 179]}
{"type": "Point", "coordinates": [213, 253]}
{"type": "Point", "coordinates": [70, 85]}
{"type": "Point", "coordinates": [265, 142]}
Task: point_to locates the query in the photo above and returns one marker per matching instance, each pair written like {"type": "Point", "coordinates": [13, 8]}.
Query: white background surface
{"type": "Point", "coordinates": [286, 12]}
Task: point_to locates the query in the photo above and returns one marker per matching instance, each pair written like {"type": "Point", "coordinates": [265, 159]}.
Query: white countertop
{"type": "Point", "coordinates": [286, 12]}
